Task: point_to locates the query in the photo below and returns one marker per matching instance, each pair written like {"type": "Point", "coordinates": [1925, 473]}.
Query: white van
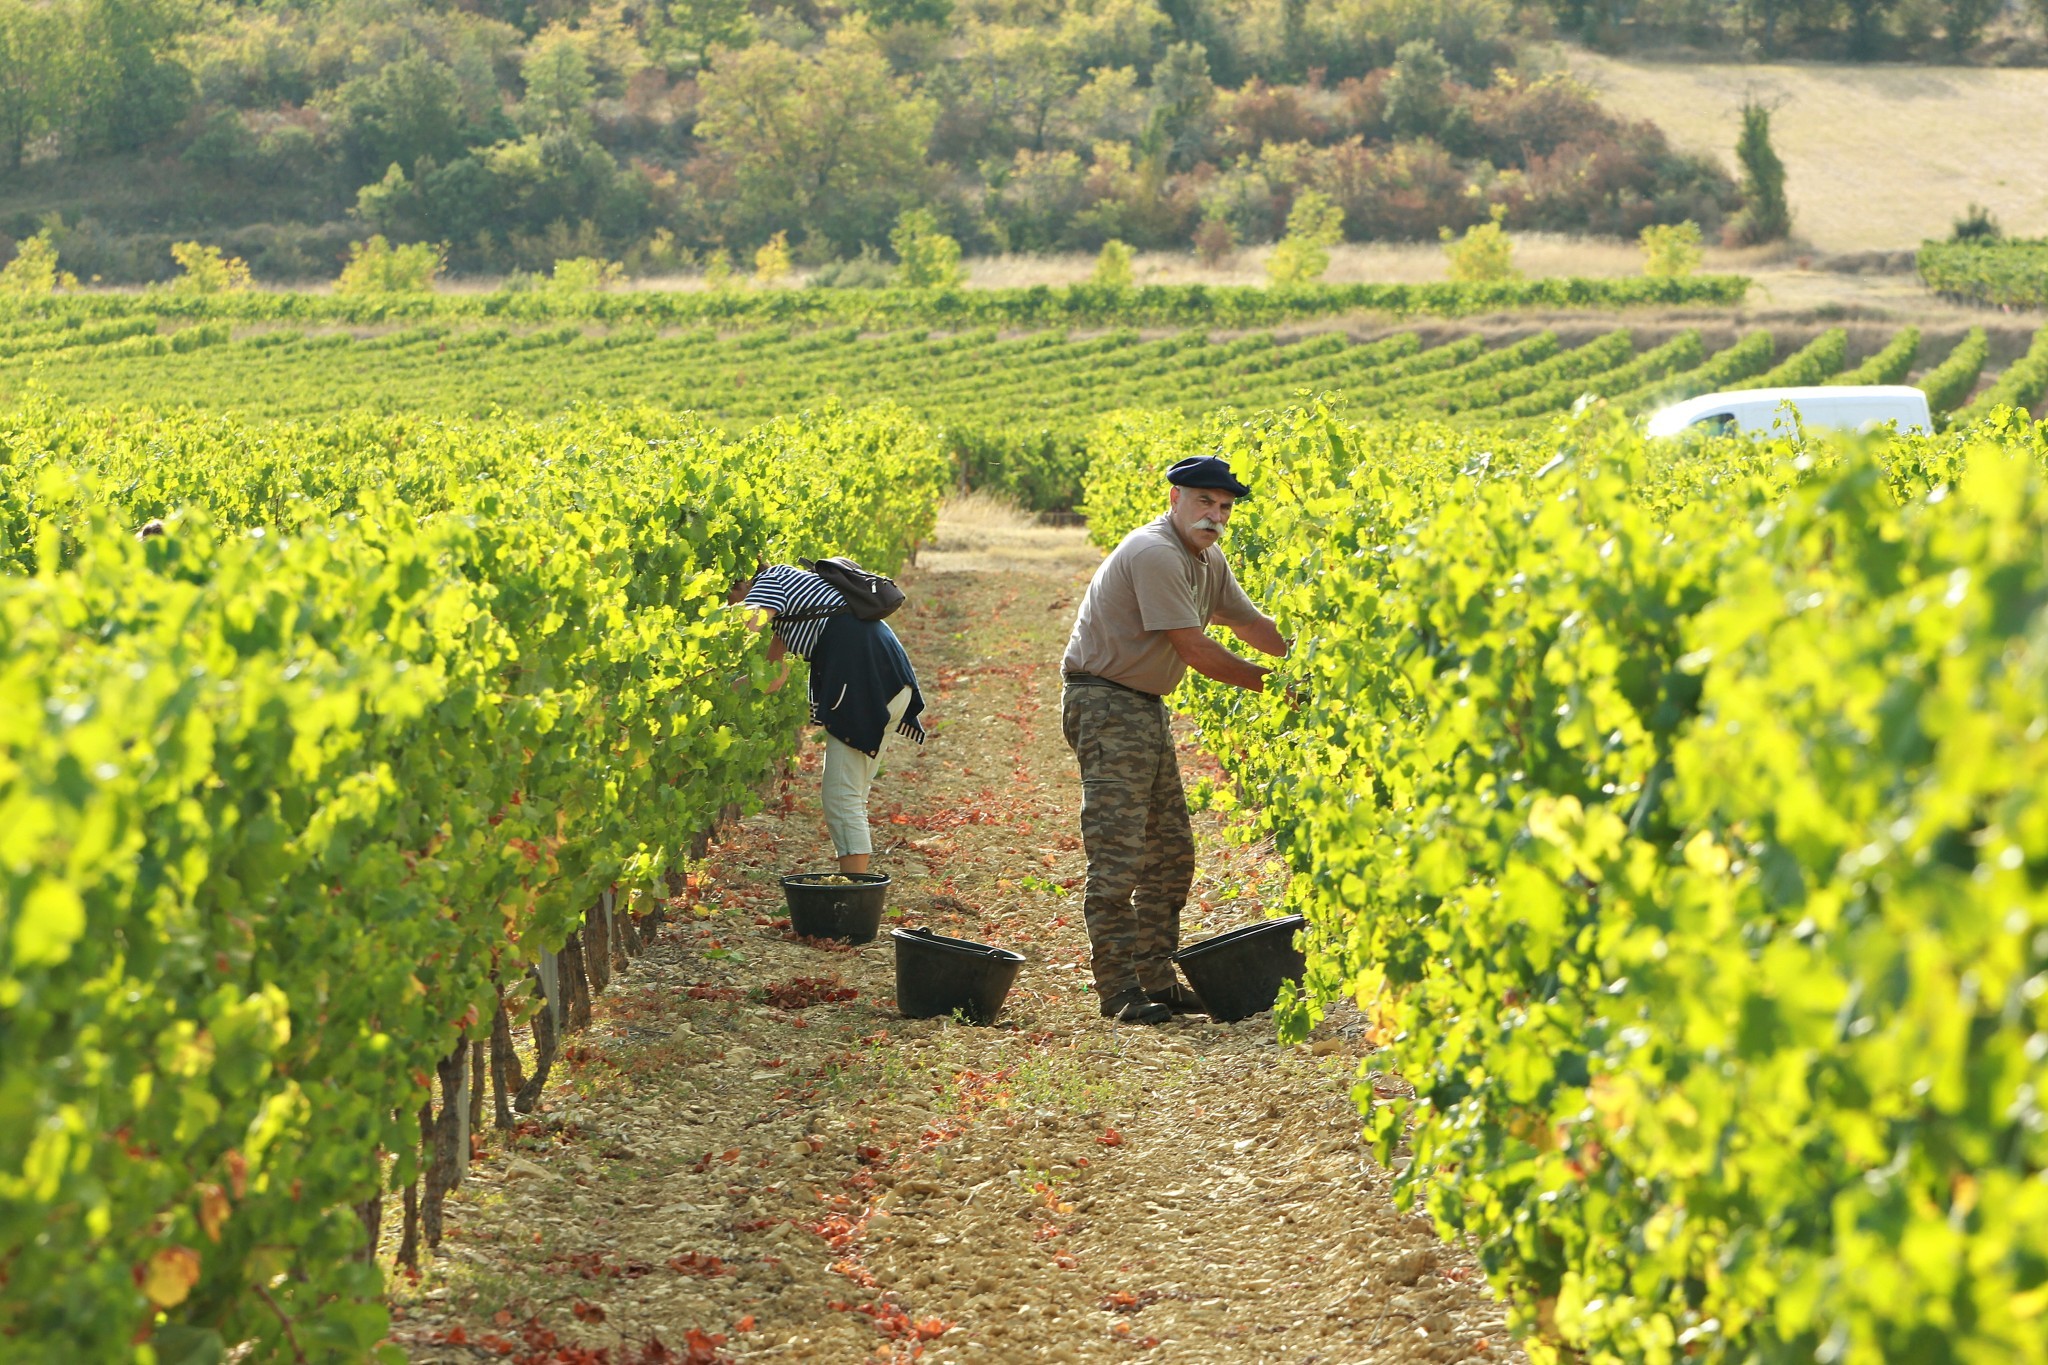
{"type": "Point", "coordinates": [1845, 407]}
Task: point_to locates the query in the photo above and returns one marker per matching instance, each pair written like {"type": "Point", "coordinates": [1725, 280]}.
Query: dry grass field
{"type": "Point", "coordinates": [1876, 157]}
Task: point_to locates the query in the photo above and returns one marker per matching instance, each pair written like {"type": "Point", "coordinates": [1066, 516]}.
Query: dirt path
{"type": "Point", "coordinates": [750, 1156]}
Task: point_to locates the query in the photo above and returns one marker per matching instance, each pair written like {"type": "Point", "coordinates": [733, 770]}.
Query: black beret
{"type": "Point", "coordinates": [1206, 471]}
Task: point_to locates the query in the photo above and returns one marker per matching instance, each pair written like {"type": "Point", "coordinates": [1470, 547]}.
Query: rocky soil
{"type": "Point", "coordinates": [751, 1156]}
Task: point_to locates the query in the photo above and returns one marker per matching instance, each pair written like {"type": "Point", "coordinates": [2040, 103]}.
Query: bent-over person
{"type": "Point", "coordinates": [1141, 626]}
{"type": "Point", "coordinates": [862, 690]}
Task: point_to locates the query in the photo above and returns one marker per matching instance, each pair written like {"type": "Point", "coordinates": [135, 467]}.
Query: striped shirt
{"type": "Point", "coordinates": [789, 591]}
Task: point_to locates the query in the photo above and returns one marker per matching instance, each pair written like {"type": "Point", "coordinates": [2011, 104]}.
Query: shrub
{"type": "Point", "coordinates": [1671, 251]}
{"type": "Point", "coordinates": [771, 261]}
{"type": "Point", "coordinates": [1976, 225]}
{"type": "Point", "coordinates": [207, 270]}
{"type": "Point", "coordinates": [927, 258]}
{"type": "Point", "coordinates": [34, 268]}
{"type": "Point", "coordinates": [1113, 266]}
{"type": "Point", "coordinates": [584, 275]}
{"type": "Point", "coordinates": [1484, 254]}
{"type": "Point", "coordinates": [866, 271]}
{"type": "Point", "coordinates": [377, 267]}
{"type": "Point", "coordinates": [1314, 225]}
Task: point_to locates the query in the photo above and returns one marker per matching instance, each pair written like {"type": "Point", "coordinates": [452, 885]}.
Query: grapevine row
{"type": "Point", "coordinates": [391, 740]}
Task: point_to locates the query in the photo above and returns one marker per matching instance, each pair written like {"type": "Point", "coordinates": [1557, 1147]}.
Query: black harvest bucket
{"type": "Point", "coordinates": [1239, 973]}
{"type": "Point", "coordinates": [841, 905]}
{"type": "Point", "coordinates": [936, 975]}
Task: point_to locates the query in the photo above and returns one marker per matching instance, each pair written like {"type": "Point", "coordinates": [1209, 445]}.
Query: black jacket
{"type": "Point", "coordinates": [858, 667]}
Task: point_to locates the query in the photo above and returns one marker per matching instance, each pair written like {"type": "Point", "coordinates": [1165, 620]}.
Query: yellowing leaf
{"type": "Point", "coordinates": [213, 1210]}
{"type": "Point", "coordinates": [170, 1275]}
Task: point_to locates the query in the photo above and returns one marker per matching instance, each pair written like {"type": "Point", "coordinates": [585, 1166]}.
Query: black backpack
{"type": "Point", "coordinates": [869, 596]}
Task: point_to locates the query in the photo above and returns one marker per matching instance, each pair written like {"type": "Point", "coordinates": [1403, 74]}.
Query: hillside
{"type": "Point", "coordinates": [1876, 157]}
{"type": "Point", "coordinates": [671, 137]}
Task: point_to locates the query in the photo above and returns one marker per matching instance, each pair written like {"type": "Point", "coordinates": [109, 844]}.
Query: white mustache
{"type": "Point", "coordinates": [1207, 525]}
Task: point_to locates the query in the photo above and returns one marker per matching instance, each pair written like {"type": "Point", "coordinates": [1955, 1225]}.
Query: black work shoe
{"type": "Point", "coordinates": [1135, 1007]}
{"type": "Point", "coordinates": [1178, 998]}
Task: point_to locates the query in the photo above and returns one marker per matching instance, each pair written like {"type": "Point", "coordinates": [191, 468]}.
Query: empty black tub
{"type": "Point", "coordinates": [936, 975]}
{"type": "Point", "coordinates": [1239, 973]}
{"type": "Point", "coordinates": [841, 905]}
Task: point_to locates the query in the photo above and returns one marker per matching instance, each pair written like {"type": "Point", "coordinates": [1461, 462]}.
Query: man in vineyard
{"type": "Point", "coordinates": [1140, 628]}
{"type": "Point", "coordinates": [862, 690]}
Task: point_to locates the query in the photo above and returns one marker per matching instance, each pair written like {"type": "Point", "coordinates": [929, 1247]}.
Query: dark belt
{"type": "Point", "coordinates": [1097, 680]}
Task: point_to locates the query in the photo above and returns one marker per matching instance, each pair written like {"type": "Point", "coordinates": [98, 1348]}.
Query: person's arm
{"type": "Point", "coordinates": [1212, 660]}
{"type": "Point", "coordinates": [1262, 634]}
{"type": "Point", "coordinates": [763, 618]}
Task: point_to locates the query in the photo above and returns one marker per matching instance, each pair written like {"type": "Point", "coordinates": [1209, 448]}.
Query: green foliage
{"type": "Point", "coordinates": [2004, 273]}
{"type": "Point", "coordinates": [377, 267]}
{"type": "Point", "coordinates": [584, 275]}
{"type": "Point", "coordinates": [1314, 225]}
{"type": "Point", "coordinates": [207, 269]}
{"type": "Point", "coordinates": [34, 270]}
{"type": "Point", "coordinates": [1670, 815]}
{"type": "Point", "coordinates": [1950, 382]}
{"type": "Point", "coordinates": [295, 788]}
{"type": "Point", "coordinates": [127, 85]}
{"type": "Point", "coordinates": [1484, 255]}
{"type": "Point", "coordinates": [410, 110]}
{"type": "Point", "coordinates": [718, 271]}
{"type": "Point", "coordinates": [1813, 363]}
{"type": "Point", "coordinates": [829, 142]}
{"type": "Point", "coordinates": [559, 84]}
{"type": "Point", "coordinates": [1976, 225]}
{"type": "Point", "coordinates": [1015, 412]}
{"type": "Point", "coordinates": [1766, 215]}
{"type": "Point", "coordinates": [1113, 266]}
{"type": "Point", "coordinates": [38, 53]}
{"type": "Point", "coordinates": [2023, 385]}
{"type": "Point", "coordinates": [926, 257]}
{"type": "Point", "coordinates": [1417, 101]}
{"type": "Point", "coordinates": [1671, 251]}
{"type": "Point", "coordinates": [1889, 365]}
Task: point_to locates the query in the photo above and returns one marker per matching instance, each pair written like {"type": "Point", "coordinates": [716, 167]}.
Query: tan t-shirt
{"type": "Point", "coordinates": [1150, 584]}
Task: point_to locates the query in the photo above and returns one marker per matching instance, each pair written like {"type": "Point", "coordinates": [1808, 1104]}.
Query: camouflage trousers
{"type": "Point", "coordinates": [1134, 826]}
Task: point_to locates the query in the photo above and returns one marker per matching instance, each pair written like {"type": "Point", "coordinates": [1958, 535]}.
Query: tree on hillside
{"type": "Point", "coordinates": [1764, 15]}
{"type": "Point", "coordinates": [830, 144]}
{"type": "Point", "coordinates": [694, 27]}
{"type": "Point", "coordinates": [412, 108]}
{"type": "Point", "coordinates": [1417, 103]}
{"type": "Point", "coordinates": [889, 13]}
{"type": "Point", "coordinates": [37, 55]}
{"type": "Point", "coordinates": [559, 83]}
{"type": "Point", "coordinates": [1866, 25]}
{"type": "Point", "coordinates": [1184, 119]}
{"type": "Point", "coordinates": [1765, 216]}
{"type": "Point", "coordinates": [1964, 21]}
{"type": "Point", "coordinates": [1006, 88]}
{"type": "Point", "coordinates": [129, 88]}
